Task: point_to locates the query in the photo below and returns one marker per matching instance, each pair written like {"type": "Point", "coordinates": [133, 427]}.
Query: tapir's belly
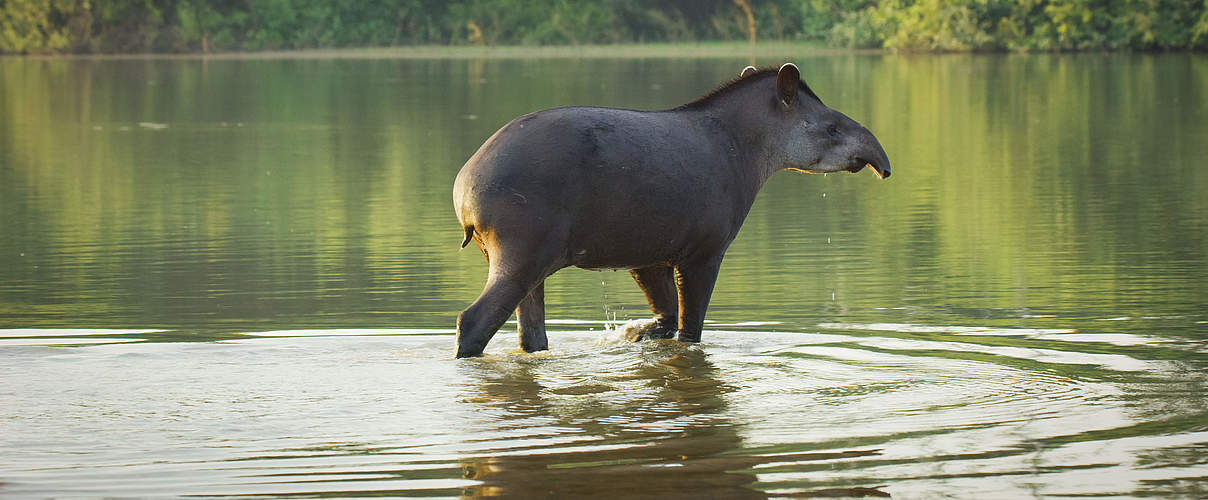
{"type": "Point", "coordinates": [642, 233]}
{"type": "Point", "coordinates": [622, 254]}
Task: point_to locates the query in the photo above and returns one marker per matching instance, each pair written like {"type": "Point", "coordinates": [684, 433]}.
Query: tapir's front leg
{"type": "Point", "coordinates": [695, 279]}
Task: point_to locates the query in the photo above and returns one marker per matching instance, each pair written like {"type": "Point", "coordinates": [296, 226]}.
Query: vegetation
{"type": "Point", "coordinates": [1027, 24]}
{"type": "Point", "coordinates": [108, 26]}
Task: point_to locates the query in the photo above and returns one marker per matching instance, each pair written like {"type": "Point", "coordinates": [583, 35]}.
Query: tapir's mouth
{"type": "Point", "coordinates": [855, 165]}
{"type": "Point", "coordinates": [881, 171]}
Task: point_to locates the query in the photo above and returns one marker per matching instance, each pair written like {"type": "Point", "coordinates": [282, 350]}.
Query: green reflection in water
{"type": "Point", "coordinates": [227, 195]}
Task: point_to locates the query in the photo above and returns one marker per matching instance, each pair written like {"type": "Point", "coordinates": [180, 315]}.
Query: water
{"type": "Point", "coordinates": [240, 277]}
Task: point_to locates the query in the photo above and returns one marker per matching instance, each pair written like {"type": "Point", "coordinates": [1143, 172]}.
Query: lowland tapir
{"type": "Point", "coordinates": [659, 193]}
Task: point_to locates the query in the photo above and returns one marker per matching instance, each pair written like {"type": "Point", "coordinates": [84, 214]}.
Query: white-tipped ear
{"type": "Point", "coordinates": [746, 71]}
{"type": "Point", "coordinates": [788, 80]}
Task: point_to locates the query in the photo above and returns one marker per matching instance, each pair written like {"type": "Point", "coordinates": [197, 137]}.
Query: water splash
{"type": "Point", "coordinates": [604, 301]}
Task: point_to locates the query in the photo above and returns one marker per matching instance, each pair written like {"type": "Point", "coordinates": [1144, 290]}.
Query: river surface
{"type": "Point", "coordinates": [240, 277]}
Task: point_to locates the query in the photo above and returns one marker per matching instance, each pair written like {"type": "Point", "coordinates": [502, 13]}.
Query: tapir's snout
{"type": "Point", "coordinates": [879, 166]}
{"type": "Point", "coordinates": [872, 154]}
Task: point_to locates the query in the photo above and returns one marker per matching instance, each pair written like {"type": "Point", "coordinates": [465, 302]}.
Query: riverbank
{"type": "Point", "coordinates": [611, 51]}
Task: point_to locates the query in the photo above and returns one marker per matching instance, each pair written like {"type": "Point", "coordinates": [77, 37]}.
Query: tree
{"type": "Point", "coordinates": [26, 25]}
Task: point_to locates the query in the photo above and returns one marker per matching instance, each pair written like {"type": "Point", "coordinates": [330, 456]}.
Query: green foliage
{"type": "Point", "coordinates": [39, 26]}
{"type": "Point", "coordinates": [1046, 25]}
{"type": "Point", "coordinates": [28, 25]}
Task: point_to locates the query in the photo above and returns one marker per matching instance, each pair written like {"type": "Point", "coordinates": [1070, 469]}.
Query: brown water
{"type": "Point", "coordinates": [240, 277]}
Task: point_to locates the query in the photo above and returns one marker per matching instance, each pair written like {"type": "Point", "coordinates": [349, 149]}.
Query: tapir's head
{"type": "Point", "coordinates": [815, 138]}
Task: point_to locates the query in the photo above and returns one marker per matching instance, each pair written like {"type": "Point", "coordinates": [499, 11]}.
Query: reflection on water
{"type": "Point", "coordinates": [662, 408]}
{"type": "Point", "coordinates": [747, 414]}
{"type": "Point", "coordinates": [240, 277]}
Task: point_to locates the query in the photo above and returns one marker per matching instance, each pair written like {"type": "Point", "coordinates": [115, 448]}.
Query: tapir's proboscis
{"type": "Point", "coordinates": [659, 193]}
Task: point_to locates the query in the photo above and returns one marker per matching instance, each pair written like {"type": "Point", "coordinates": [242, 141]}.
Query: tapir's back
{"type": "Point", "coordinates": [587, 141]}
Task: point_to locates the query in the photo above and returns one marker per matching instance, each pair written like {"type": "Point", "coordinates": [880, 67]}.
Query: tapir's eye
{"type": "Point", "coordinates": [832, 130]}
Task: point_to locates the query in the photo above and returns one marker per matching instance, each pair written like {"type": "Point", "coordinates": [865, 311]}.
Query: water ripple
{"type": "Point", "coordinates": [355, 412]}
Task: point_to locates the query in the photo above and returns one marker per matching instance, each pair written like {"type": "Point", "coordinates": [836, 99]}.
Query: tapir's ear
{"type": "Point", "coordinates": [788, 80]}
{"type": "Point", "coordinates": [746, 71]}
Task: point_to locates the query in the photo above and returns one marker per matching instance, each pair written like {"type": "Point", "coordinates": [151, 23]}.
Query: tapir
{"type": "Point", "coordinates": [659, 193]}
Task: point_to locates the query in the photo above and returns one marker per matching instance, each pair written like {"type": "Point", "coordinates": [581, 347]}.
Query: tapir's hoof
{"type": "Point", "coordinates": [662, 332]}
{"type": "Point", "coordinates": [689, 337]}
{"type": "Point", "coordinates": [651, 330]}
{"type": "Point", "coordinates": [469, 352]}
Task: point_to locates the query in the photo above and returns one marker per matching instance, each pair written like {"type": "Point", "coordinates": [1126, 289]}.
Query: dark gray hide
{"type": "Point", "coordinates": [660, 193]}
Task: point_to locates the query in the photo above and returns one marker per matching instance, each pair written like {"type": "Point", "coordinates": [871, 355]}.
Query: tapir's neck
{"type": "Point", "coordinates": [742, 119]}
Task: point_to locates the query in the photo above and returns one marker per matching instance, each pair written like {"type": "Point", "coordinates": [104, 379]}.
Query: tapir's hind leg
{"type": "Point", "coordinates": [518, 268]}
{"type": "Point", "coordinates": [531, 316]}
{"type": "Point", "coordinates": [658, 282]}
{"type": "Point", "coordinates": [479, 322]}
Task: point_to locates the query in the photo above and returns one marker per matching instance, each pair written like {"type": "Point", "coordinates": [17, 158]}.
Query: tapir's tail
{"type": "Point", "coordinates": [469, 235]}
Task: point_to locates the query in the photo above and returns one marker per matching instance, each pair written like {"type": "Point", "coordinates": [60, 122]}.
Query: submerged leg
{"type": "Point", "coordinates": [658, 283]}
{"type": "Point", "coordinates": [695, 279]}
{"type": "Point", "coordinates": [479, 322]}
{"type": "Point", "coordinates": [515, 282]}
{"type": "Point", "coordinates": [531, 316]}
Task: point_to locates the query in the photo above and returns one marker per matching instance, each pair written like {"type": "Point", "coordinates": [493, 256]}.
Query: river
{"type": "Point", "coordinates": [235, 277]}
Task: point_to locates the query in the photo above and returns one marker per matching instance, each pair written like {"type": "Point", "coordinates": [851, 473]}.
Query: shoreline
{"type": "Point", "coordinates": [698, 50]}
{"type": "Point", "coordinates": [617, 51]}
